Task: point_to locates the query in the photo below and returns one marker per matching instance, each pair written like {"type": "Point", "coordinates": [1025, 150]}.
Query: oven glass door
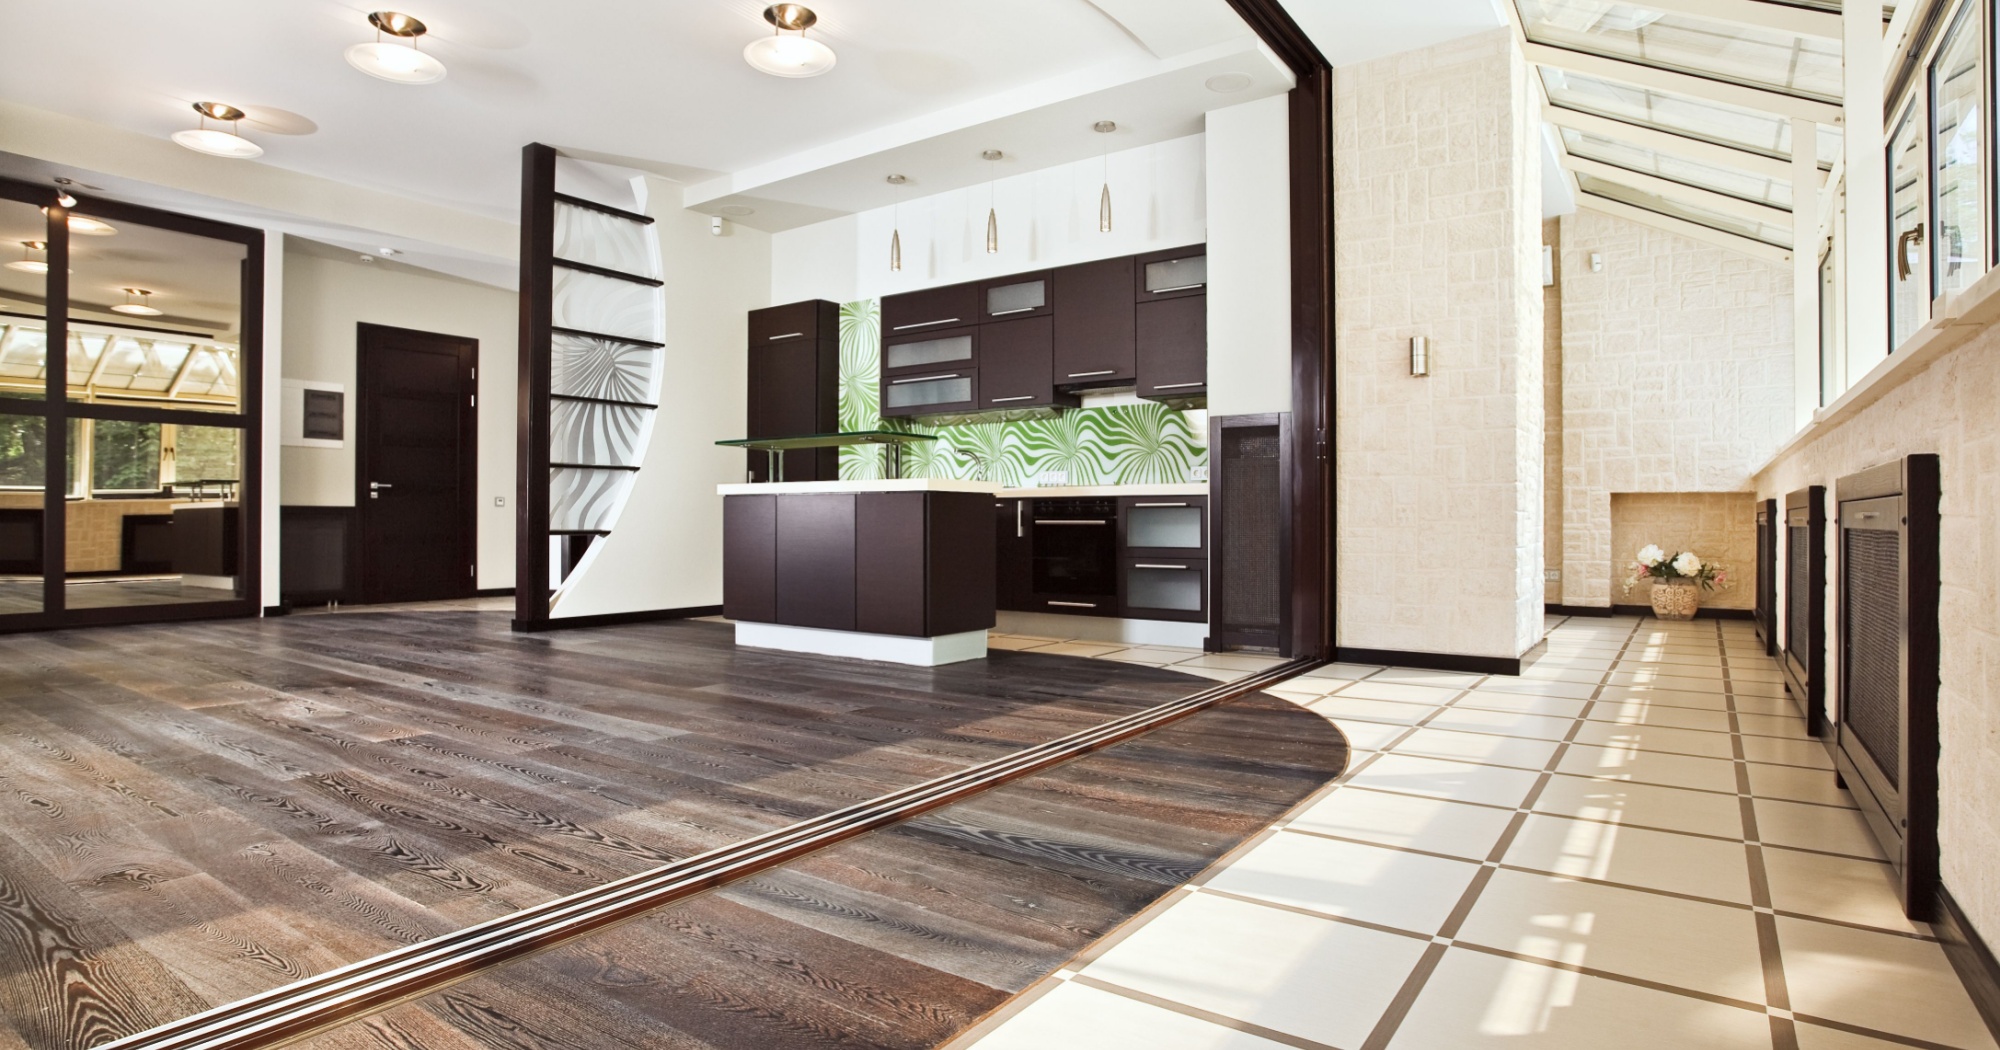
{"type": "Point", "coordinates": [1076, 555]}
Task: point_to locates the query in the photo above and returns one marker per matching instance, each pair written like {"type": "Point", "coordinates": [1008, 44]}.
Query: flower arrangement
{"type": "Point", "coordinates": [1655, 566]}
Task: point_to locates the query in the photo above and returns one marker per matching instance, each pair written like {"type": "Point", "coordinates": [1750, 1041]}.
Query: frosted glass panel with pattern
{"type": "Point", "coordinates": [581, 366]}
{"type": "Point", "coordinates": [597, 239]}
{"type": "Point", "coordinates": [584, 500]}
{"type": "Point", "coordinates": [606, 305]}
{"type": "Point", "coordinates": [600, 435]}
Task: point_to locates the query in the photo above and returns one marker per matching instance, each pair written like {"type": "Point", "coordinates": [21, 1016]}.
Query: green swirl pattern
{"type": "Point", "coordinates": [1116, 445]}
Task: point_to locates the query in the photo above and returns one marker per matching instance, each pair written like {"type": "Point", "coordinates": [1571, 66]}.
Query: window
{"type": "Point", "coordinates": [23, 450]}
{"type": "Point", "coordinates": [1803, 66]}
{"type": "Point", "coordinates": [1730, 182]}
{"type": "Point", "coordinates": [1769, 233]}
{"type": "Point", "coordinates": [1958, 118]}
{"type": "Point", "coordinates": [1830, 385]}
{"type": "Point", "coordinates": [124, 457]}
{"type": "Point", "coordinates": [1909, 276]}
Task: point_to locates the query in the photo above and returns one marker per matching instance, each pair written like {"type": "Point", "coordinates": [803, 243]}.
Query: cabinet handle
{"type": "Point", "coordinates": [1178, 386]}
{"type": "Point", "coordinates": [1181, 568]}
{"type": "Point", "coordinates": [787, 335]}
{"type": "Point", "coordinates": [1023, 397]}
{"type": "Point", "coordinates": [1016, 310]}
{"type": "Point", "coordinates": [925, 379]}
{"type": "Point", "coordinates": [1055, 521]}
{"type": "Point", "coordinates": [1076, 605]}
{"type": "Point", "coordinates": [923, 324]}
{"type": "Point", "coordinates": [1175, 288]}
{"type": "Point", "coordinates": [1020, 531]}
{"type": "Point", "coordinates": [1136, 506]}
{"type": "Point", "coordinates": [1087, 375]}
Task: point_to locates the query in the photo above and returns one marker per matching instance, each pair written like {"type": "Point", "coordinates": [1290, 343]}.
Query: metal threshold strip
{"type": "Point", "coordinates": [303, 1008]}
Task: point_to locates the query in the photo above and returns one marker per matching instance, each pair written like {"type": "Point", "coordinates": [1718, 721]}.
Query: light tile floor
{"type": "Point", "coordinates": [1633, 845]}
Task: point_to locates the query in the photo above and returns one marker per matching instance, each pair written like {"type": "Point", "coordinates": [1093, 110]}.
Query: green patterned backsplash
{"type": "Point", "coordinates": [1116, 445]}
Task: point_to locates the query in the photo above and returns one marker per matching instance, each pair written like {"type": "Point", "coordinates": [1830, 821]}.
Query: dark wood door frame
{"type": "Point", "coordinates": [468, 472]}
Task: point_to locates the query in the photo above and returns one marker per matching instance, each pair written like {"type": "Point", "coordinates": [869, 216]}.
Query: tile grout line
{"type": "Point", "coordinates": [1777, 994]}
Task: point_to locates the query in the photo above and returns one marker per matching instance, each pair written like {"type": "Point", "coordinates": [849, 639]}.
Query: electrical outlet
{"type": "Point", "coordinates": [1051, 479]}
{"type": "Point", "coordinates": [499, 501]}
{"type": "Point", "coordinates": [1199, 473]}
{"type": "Point", "coordinates": [1552, 575]}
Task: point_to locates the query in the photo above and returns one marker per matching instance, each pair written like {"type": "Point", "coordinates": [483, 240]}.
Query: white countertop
{"type": "Point", "coordinates": [1192, 488]}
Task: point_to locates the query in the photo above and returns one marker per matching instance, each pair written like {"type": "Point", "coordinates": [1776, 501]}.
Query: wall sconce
{"type": "Point", "coordinates": [1420, 355]}
{"type": "Point", "coordinates": [1596, 262]}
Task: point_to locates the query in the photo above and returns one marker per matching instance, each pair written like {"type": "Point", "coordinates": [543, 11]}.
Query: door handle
{"type": "Point", "coordinates": [1076, 605]}
{"type": "Point", "coordinates": [1087, 375]}
{"type": "Point", "coordinates": [1016, 310]}
{"type": "Point", "coordinates": [1003, 400]}
{"type": "Point", "coordinates": [1056, 521]}
{"type": "Point", "coordinates": [1178, 386]}
{"type": "Point", "coordinates": [1019, 529]}
{"type": "Point", "coordinates": [923, 379]}
{"type": "Point", "coordinates": [1179, 568]}
{"type": "Point", "coordinates": [787, 335]}
{"type": "Point", "coordinates": [1137, 505]}
{"type": "Point", "coordinates": [374, 488]}
{"type": "Point", "coordinates": [1175, 288]}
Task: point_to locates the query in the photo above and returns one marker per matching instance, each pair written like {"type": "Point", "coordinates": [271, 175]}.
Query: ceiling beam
{"type": "Point", "coordinates": [1775, 102]}
{"type": "Point", "coordinates": [1690, 230]}
{"type": "Point", "coordinates": [1681, 191]}
{"type": "Point", "coordinates": [1780, 17]}
{"type": "Point", "coordinates": [1668, 142]}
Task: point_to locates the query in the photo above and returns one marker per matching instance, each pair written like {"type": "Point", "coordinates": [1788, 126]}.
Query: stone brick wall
{"type": "Point", "coordinates": [1676, 377]}
{"type": "Point", "coordinates": [1438, 225]}
{"type": "Point", "coordinates": [1552, 419]}
{"type": "Point", "coordinates": [1947, 409]}
{"type": "Point", "coordinates": [1719, 526]}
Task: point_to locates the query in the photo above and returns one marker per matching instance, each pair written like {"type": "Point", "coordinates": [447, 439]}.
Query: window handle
{"type": "Point", "coordinates": [1911, 237]}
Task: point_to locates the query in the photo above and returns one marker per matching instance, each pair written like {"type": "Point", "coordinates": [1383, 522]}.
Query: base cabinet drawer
{"type": "Point", "coordinates": [1163, 526]}
{"type": "Point", "coordinates": [1164, 589]}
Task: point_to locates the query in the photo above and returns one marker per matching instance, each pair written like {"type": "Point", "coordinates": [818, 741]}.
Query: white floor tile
{"type": "Point", "coordinates": [1077, 1017]}
{"type": "Point", "coordinates": [1264, 965]}
{"type": "Point", "coordinates": [1376, 884]}
{"type": "Point", "coordinates": [1647, 713]}
{"type": "Point", "coordinates": [1476, 1001]}
{"type": "Point", "coordinates": [1430, 824]}
{"type": "Point", "coordinates": [1377, 689]}
{"type": "Point", "coordinates": [1686, 944]}
{"type": "Point", "coordinates": [1785, 726]}
{"type": "Point", "coordinates": [1536, 687]}
{"type": "Point", "coordinates": [1435, 679]}
{"type": "Point", "coordinates": [1806, 752]}
{"type": "Point", "coordinates": [1489, 748]}
{"type": "Point", "coordinates": [1340, 706]}
{"type": "Point", "coordinates": [1657, 738]}
{"type": "Point", "coordinates": [1646, 805]}
{"type": "Point", "coordinates": [1798, 785]}
{"type": "Point", "coordinates": [1821, 828]}
{"type": "Point", "coordinates": [1839, 888]}
{"type": "Point", "coordinates": [1879, 981]}
{"type": "Point", "coordinates": [1244, 662]}
{"type": "Point", "coordinates": [1706, 700]}
{"type": "Point", "coordinates": [1660, 860]}
{"type": "Point", "coordinates": [1078, 649]}
{"type": "Point", "coordinates": [1438, 778]}
{"type": "Point", "coordinates": [1346, 672]}
{"type": "Point", "coordinates": [1148, 655]}
{"type": "Point", "coordinates": [1367, 736]}
{"type": "Point", "coordinates": [995, 641]}
{"type": "Point", "coordinates": [1650, 767]}
{"type": "Point", "coordinates": [1523, 703]}
{"type": "Point", "coordinates": [1572, 673]}
{"type": "Point", "coordinates": [1507, 723]}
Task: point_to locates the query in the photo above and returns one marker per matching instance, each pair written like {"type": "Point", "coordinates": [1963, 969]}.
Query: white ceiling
{"type": "Point", "coordinates": [1350, 31]}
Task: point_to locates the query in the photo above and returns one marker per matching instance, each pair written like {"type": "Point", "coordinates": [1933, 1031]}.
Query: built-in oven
{"type": "Point", "coordinates": [1074, 549]}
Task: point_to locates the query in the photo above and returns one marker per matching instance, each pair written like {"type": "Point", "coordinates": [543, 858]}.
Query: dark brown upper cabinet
{"type": "Point", "coordinates": [1012, 298]}
{"type": "Point", "coordinates": [794, 389]}
{"type": "Point", "coordinates": [947, 391]}
{"type": "Point", "coordinates": [1096, 339]}
{"type": "Point", "coordinates": [1015, 365]}
{"type": "Point", "coordinates": [1173, 348]}
{"type": "Point", "coordinates": [933, 350]}
{"type": "Point", "coordinates": [1172, 274]}
{"type": "Point", "coordinates": [932, 308]}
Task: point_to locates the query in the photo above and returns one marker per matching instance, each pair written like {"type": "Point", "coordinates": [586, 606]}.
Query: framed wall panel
{"type": "Point", "coordinates": [1804, 659]}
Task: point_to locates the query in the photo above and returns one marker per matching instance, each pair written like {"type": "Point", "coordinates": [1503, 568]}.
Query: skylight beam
{"type": "Point", "coordinates": [1668, 188]}
{"type": "Point", "coordinates": [1683, 83]}
{"type": "Point", "coordinates": [1686, 228]}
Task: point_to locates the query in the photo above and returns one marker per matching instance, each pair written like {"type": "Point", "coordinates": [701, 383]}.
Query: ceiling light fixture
{"type": "Point", "coordinates": [27, 263]}
{"type": "Point", "coordinates": [1105, 127]}
{"type": "Point", "coordinates": [88, 226]}
{"type": "Point", "coordinates": [1226, 83]}
{"type": "Point", "coordinates": [214, 141]}
{"type": "Point", "coordinates": [143, 308]}
{"type": "Point", "coordinates": [62, 192]}
{"type": "Point", "coordinates": [896, 228]}
{"type": "Point", "coordinates": [789, 56]}
{"type": "Point", "coordinates": [992, 216]}
{"type": "Point", "coordinates": [396, 63]}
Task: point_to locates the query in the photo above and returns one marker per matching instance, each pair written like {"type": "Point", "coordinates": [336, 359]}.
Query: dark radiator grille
{"type": "Point", "coordinates": [1764, 553]}
{"type": "Point", "coordinates": [1871, 698]}
{"type": "Point", "coordinates": [1250, 533]}
{"type": "Point", "coordinates": [1798, 602]}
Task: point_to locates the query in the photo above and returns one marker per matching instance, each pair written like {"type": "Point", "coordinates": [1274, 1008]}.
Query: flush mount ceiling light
{"type": "Point", "coordinates": [789, 56]}
{"type": "Point", "coordinates": [396, 63]}
{"type": "Point", "coordinates": [27, 263]}
{"type": "Point", "coordinates": [1224, 83]}
{"type": "Point", "coordinates": [737, 210]}
{"type": "Point", "coordinates": [214, 141]}
{"type": "Point", "coordinates": [88, 226]}
{"type": "Point", "coordinates": [143, 308]}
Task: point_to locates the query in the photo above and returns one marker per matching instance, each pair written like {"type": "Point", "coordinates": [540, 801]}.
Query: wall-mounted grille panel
{"type": "Point", "coordinates": [1798, 576]}
{"type": "Point", "coordinates": [1248, 515]}
{"type": "Point", "coordinates": [1871, 638]}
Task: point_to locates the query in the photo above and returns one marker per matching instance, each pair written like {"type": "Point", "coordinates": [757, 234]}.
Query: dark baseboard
{"type": "Point", "coordinates": [280, 609]}
{"type": "Point", "coordinates": [1970, 957]}
{"type": "Point", "coordinates": [1699, 614]}
{"type": "Point", "coordinates": [494, 592]}
{"type": "Point", "coordinates": [1554, 609]}
{"type": "Point", "coordinates": [1431, 661]}
{"type": "Point", "coordinates": [614, 619]}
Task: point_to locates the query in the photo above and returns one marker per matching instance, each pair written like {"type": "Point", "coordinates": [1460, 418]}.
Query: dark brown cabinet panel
{"type": "Point", "coordinates": [794, 385]}
{"type": "Point", "coordinates": [889, 556]}
{"type": "Point", "coordinates": [1164, 589]}
{"type": "Point", "coordinates": [1015, 365]}
{"type": "Point", "coordinates": [1021, 295]}
{"type": "Point", "coordinates": [1173, 347]}
{"type": "Point", "coordinates": [938, 350]}
{"type": "Point", "coordinates": [815, 574]}
{"type": "Point", "coordinates": [931, 308]}
{"type": "Point", "coordinates": [1094, 330]}
{"type": "Point", "coordinates": [807, 320]}
{"type": "Point", "coordinates": [961, 564]}
{"type": "Point", "coordinates": [1015, 556]}
{"type": "Point", "coordinates": [1171, 274]}
{"type": "Point", "coordinates": [749, 558]}
{"type": "Point", "coordinates": [946, 391]}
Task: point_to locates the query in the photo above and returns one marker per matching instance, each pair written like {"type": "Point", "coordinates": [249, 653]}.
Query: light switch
{"type": "Point", "coordinates": [499, 501]}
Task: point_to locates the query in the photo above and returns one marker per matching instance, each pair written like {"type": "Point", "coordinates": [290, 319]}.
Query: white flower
{"type": "Point", "coordinates": [1687, 564]}
{"type": "Point", "coordinates": [1651, 556]}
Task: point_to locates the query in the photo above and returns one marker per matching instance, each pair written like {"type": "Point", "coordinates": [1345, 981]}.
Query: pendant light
{"type": "Point", "coordinates": [992, 216]}
{"type": "Point", "coordinates": [896, 228]}
{"type": "Point", "coordinates": [789, 56]}
{"type": "Point", "coordinates": [143, 308]}
{"type": "Point", "coordinates": [1105, 127]}
{"type": "Point", "coordinates": [214, 141]}
{"type": "Point", "coordinates": [396, 63]}
{"type": "Point", "coordinates": [27, 263]}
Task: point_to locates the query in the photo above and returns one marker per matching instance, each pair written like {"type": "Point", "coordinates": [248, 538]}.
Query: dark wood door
{"type": "Point", "coordinates": [911, 312]}
{"type": "Point", "coordinates": [1014, 563]}
{"type": "Point", "coordinates": [815, 562]}
{"type": "Point", "coordinates": [1014, 365]}
{"type": "Point", "coordinates": [750, 558]}
{"type": "Point", "coordinates": [787, 392]}
{"type": "Point", "coordinates": [416, 464]}
{"type": "Point", "coordinates": [1094, 331]}
{"type": "Point", "coordinates": [1173, 347]}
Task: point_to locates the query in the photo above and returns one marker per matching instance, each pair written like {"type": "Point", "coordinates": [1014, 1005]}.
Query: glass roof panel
{"type": "Point", "coordinates": [1769, 233]}
{"type": "Point", "coordinates": [1805, 66]}
{"type": "Point", "coordinates": [1731, 181]}
{"type": "Point", "coordinates": [1717, 122]}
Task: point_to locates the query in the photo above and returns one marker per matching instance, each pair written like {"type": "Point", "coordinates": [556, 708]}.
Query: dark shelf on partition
{"type": "Point", "coordinates": [626, 339]}
{"type": "Point", "coordinates": [600, 400]}
{"type": "Point", "coordinates": [584, 202]}
{"type": "Point", "coordinates": [605, 271]}
{"type": "Point", "coordinates": [579, 532]}
{"type": "Point", "coordinates": [591, 466]}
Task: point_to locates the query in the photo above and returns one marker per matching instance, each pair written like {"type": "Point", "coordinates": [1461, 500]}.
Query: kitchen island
{"type": "Point", "coordinates": [896, 570]}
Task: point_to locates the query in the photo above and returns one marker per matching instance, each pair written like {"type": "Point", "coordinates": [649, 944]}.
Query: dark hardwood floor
{"type": "Point", "coordinates": [199, 812]}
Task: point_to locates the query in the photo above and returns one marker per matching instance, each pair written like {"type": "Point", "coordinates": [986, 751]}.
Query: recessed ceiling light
{"type": "Point", "coordinates": [789, 56]}
{"type": "Point", "coordinates": [396, 63]}
{"type": "Point", "coordinates": [27, 263]}
{"type": "Point", "coordinates": [737, 209]}
{"type": "Point", "coordinates": [390, 251]}
{"type": "Point", "coordinates": [1224, 83]}
{"type": "Point", "coordinates": [143, 308]}
{"type": "Point", "coordinates": [991, 154]}
{"type": "Point", "coordinates": [214, 141]}
{"type": "Point", "coordinates": [898, 180]}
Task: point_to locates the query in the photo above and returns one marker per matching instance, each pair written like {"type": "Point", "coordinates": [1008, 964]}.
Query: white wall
{"type": "Point", "coordinates": [1437, 225]}
{"type": "Point", "coordinates": [665, 550]}
{"type": "Point", "coordinates": [271, 589]}
{"type": "Point", "coordinates": [1249, 258]}
{"type": "Point", "coordinates": [324, 298]}
{"type": "Point", "coordinates": [1047, 218]}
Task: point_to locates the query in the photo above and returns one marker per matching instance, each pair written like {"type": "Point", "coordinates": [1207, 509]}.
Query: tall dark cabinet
{"type": "Point", "coordinates": [795, 385]}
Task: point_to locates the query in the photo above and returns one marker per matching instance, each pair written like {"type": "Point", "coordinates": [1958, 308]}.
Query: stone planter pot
{"type": "Point", "coordinates": [1676, 599]}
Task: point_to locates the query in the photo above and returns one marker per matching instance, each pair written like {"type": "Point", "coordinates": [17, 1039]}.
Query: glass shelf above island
{"type": "Point", "coordinates": [775, 447]}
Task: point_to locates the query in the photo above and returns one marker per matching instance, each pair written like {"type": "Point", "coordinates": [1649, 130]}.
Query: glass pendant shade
{"type": "Point", "coordinates": [218, 143]}
{"type": "Point", "coordinates": [27, 263]}
{"type": "Point", "coordinates": [1104, 210]}
{"type": "Point", "coordinates": [143, 308]}
{"type": "Point", "coordinates": [396, 63]}
{"type": "Point", "coordinates": [895, 250]}
{"type": "Point", "coordinates": [789, 56]}
{"type": "Point", "coordinates": [992, 232]}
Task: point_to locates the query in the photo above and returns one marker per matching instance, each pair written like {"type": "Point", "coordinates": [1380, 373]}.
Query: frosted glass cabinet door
{"type": "Point", "coordinates": [1174, 526]}
{"type": "Point", "coordinates": [1165, 589]}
